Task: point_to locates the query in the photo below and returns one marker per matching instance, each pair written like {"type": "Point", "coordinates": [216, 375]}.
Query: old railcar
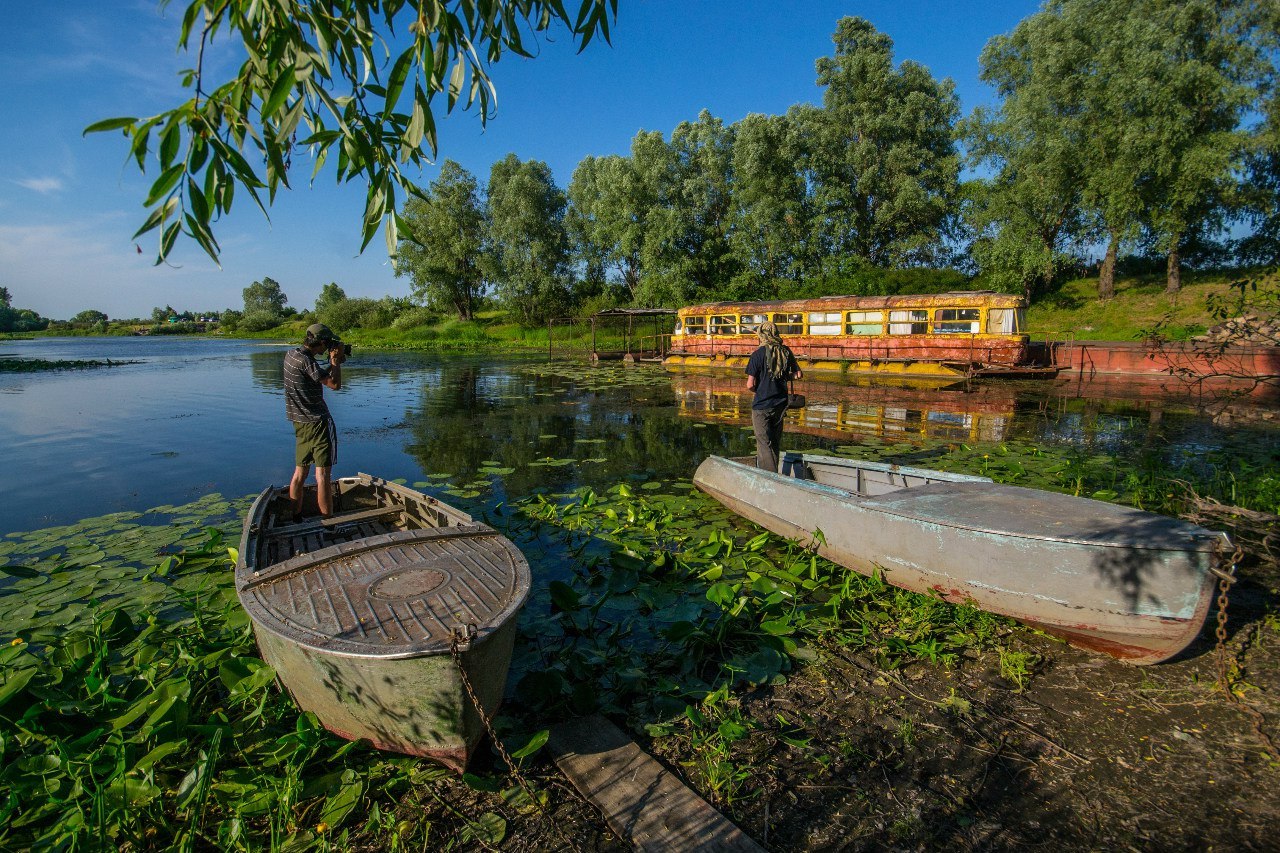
{"type": "Point", "coordinates": [958, 334]}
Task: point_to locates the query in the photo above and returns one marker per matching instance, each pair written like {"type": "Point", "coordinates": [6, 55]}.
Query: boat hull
{"type": "Point", "coordinates": [416, 706]}
{"type": "Point", "coordinates": [377, 619]}
{"type": "Point", "coordinates": [1135, 603]}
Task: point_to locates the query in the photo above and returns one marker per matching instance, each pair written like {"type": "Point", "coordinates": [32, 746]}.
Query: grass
{"type": "Point", "coordinates": [1140, 304]}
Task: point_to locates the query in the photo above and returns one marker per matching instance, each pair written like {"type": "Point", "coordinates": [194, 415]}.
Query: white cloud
{"type": "Point", "coordinates": [44, 186]}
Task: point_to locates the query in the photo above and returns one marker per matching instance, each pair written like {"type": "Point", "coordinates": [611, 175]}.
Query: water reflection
{"type": "Point", "coordinates": [957, 413]}
{"type": "Point", "coordinates": [555, 430]}
{"type": "Point", "coordinates": [199, 416]}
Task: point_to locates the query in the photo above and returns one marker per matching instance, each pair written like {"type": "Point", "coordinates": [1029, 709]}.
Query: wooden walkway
{"type": "Point", "coordinates": [645, 804]}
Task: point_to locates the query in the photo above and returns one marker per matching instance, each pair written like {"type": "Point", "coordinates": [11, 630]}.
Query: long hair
{"type": "Point", "coordinates": [775, 351]}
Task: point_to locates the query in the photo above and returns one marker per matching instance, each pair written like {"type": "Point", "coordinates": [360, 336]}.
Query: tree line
{"type": "Point", "coordinates": [1150, 128]}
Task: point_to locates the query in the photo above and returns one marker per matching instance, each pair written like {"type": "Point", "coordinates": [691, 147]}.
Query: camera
{"type": "Point", "coordinates": [346, 350]}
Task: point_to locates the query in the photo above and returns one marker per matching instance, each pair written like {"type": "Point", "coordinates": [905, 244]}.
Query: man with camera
{"type": "Point", "coordinates": [317, 438]}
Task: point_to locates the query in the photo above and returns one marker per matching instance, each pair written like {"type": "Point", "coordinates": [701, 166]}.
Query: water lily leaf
{"type": "Point", "coordinates": [535, 743]}
{"type": "Point", "coordinates": [340, 804]}
{"type": "Point", "coordinates": [565, 597]}
{"type": "Point", "coordinates": [131, 792]}
{"type": "Point", "coordinates": [488, 829]}
{"type": "Point", "coordinates": [15, 683]}
{"type": "Point", "coordinates": [481, 783]}
{"type": "Point", "coordinates": [19, 571]}
{"type": "Point", "coordinates": [158, 754]}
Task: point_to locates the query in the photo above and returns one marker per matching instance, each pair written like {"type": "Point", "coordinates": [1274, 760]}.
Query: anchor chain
{"type": "Point", "coordinates": [1226, 577]}
{"type": "Point", "coordinates": [458, 643]}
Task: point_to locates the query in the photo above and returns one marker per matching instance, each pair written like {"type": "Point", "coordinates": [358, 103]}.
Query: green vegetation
{"type": "Point", "coordinates": [135, 712]}
{"type": "Point", "coordinates": [772, 205]}
{"type": "Point", "coordinates": [1140, 305]}
{"type": "Point", "coordinates": [43, 365]}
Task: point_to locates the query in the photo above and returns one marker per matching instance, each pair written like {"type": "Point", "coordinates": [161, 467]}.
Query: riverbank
{"type": "Point", "coordinates": [816, 709]}
{"type": "Point", "coordinates": [1072, 311]}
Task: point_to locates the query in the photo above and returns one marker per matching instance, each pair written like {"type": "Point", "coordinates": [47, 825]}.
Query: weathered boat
{"type": "Point", "coordinates": [1132, 584]}
{"type": "Point", "coordinates": [372, 618]}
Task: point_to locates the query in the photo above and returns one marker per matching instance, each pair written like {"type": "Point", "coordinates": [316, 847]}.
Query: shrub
{"type": "Point", "coordinates": [414, 318]}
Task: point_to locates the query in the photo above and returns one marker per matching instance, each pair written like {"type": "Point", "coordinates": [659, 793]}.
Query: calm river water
{"type": "Point", "coordinates": [198, 415]}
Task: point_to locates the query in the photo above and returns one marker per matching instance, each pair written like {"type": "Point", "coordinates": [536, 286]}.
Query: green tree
{"type": "Point", "coordinates": [331, 294]}
{"type": "Point", "coordinates": [319, 78]}
{"type": "Point", "coordinates": [6, 301]}
{"type": "Point", "coordinates": [162, 315]}
{"type": "Point", "coordinates": [772, 211]}
{"type": "Point", "coordinates": [1198, 63]}
{"type": "Point", "coordinates": [526, 253]}
{"type": "Point", "coordinates": [89, 317]}
{"type": "Point", "coordinates": [688, 185]}
{"type": "Point", "coordinates": [264, 303]}
{"type": "Point", "coordinates": [441, 242]}
{"type": "Point", "coordinates": [1261, 189]}
{"type": "Point", "coordinates": [608, 211]}
{"type": "Point", "coordinates": [882, 154]}
{"type": "Point", "coordinates": [1026, 216]}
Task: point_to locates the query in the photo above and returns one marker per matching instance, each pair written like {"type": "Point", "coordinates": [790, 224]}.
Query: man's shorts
{"type": "Point", "coordinates": [317, 443]}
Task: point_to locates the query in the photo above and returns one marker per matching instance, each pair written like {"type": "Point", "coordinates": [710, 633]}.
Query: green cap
{"type": "Point", "coordinates": [320, 332]}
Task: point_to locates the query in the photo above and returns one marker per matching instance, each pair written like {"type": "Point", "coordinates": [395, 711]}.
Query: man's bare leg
{"type": "Point", "coordinates": [324, 491]}
{"type": "Point", "coordinates": [296, 488]}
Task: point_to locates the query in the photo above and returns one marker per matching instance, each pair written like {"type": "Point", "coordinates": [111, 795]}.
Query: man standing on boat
{"type": "Point", "coordinates": [317, 438]}
{"type": "Point", "coordinates": [769, 373]}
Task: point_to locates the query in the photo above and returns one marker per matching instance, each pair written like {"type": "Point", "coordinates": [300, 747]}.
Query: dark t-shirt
{"type": "Point", "coordinates": [303, 394]}
{"type": "Point", "coordinates": [770, 393]}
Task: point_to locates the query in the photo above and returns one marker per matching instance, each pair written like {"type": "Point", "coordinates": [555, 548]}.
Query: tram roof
{"type": "Point", "coordinates": [963, 298]}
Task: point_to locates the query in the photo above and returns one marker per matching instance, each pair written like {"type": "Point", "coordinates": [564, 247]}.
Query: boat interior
{"type": "Point", "coordinates": [363, 506]}
{"type": "Point", "coordinates": [863, 478]}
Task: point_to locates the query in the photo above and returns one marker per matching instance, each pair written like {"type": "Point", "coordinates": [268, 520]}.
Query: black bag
{"type": "Point", "coordinates": [794, 400]}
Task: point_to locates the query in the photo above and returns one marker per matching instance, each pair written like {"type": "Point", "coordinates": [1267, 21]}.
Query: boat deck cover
{"type": "Point", "coordinates": [396, 595]}
{"type": "Point", "coordinates": [1014, 511]}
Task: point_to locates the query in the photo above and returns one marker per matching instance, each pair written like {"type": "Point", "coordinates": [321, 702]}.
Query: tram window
{"type": "Point", "coordinates": [1004, 321]}
{"type": "Point", "coordinates": [864, 323]}
{"type": "Point", "coordinates": [789, 324]}
{"type": "Point", "coordinates": [750, 322]}
{"type": "Point", "coordinates": [909, 322]}
{"type": "Point", "coordinates": [956, 321]}
{"type": "Point", "coordinates": [824, 322]}
{"type": "Point", "coordinates": [693, 326]}
{"type": "Point", "coordinates": [724, 324]}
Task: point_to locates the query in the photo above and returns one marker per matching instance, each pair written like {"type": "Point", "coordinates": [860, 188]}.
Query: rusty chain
{"type": "Point", "coordinates": [1226, 577]}
{"type": "Point", "coordinates": [458, 643]}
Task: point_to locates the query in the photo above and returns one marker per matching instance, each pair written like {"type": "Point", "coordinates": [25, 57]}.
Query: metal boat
{"type": "Point", "coordinates": [1132, 584]}
{"type": "Point", "coordinates": [378, 617]}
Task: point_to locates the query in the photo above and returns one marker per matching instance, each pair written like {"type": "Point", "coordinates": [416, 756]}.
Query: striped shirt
{"type": "Point", "coordinates": [303, 393]}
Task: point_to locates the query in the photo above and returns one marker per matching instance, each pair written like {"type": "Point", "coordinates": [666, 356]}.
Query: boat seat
{"type": "Point", "coordinates": [316, 522]}
{"type": "Point", "coordinates": [360, 515]}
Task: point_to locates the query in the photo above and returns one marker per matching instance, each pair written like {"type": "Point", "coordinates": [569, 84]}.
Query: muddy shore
{"type": "Point", "coordinates": [1086, 753]}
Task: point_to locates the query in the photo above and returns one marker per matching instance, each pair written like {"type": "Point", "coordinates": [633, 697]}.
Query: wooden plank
{"type": "Point", "coordinates": [644, 804]}
{"type": "Point", "coordinates": [346, 518]}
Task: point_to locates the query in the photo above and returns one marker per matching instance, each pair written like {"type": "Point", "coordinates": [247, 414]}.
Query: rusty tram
{"type": "Point", "coordinates": [957, 334]}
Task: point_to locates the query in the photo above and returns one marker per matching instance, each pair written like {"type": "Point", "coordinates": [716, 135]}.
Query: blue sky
{"type": "Point", "coordinates": [69, 204]}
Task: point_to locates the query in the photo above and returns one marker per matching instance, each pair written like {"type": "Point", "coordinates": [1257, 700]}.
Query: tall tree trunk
{"type": "Point", "coordinates": [1174, 272]}
{"type": "Point", "coordinates": [1107, 275]}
